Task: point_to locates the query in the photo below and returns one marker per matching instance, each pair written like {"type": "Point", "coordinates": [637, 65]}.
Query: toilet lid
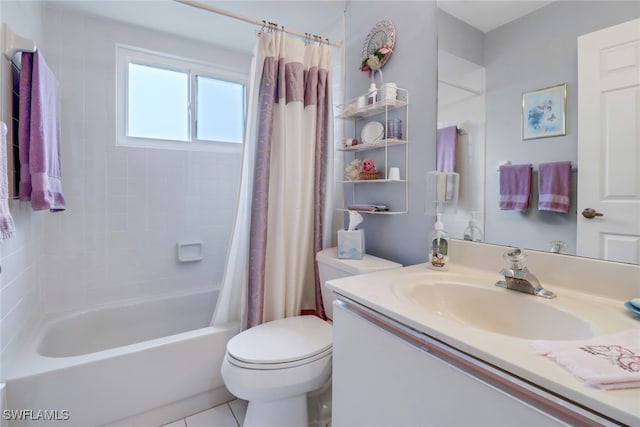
{"type": "Point", "coordinates": [282, 341]}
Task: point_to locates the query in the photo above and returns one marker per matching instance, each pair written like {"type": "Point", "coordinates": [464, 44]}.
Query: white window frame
{"type": "Point", "coordinates": [128, 54]}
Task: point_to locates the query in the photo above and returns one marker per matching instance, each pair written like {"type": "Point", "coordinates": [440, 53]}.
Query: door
{"type": "Point", "coordinates": [609, 143]}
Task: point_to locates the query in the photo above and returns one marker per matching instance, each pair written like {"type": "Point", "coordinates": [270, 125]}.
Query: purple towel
{"type": "Point", "coordinates": [515, 187]}
{"type": "Point", "coordinates": [7, 228]}
{"type": "Point", "coordinates": [446, 142]}
{"type": "Point", "coordinates": [554, 187]}
{"type": "Point", "coordinates": [39, 135]}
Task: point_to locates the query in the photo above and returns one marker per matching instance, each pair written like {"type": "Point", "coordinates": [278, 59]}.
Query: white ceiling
{"type": "Point", "coordinates": [175, 18]}
{"type": "Point", "coordinates": [486, 15]}
{"type": "Point", "coordinates": [313, 16]}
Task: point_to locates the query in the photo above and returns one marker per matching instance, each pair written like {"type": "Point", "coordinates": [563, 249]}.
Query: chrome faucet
{"type": "Point", "coordinates": [519, 278]}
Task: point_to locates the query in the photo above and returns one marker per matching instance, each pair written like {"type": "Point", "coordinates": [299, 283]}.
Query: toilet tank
{"type": "Point", "coordinates": [331, 267]}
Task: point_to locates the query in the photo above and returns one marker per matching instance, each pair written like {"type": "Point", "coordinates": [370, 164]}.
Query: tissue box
{"type": "Point", "coordinates": [350, 244]}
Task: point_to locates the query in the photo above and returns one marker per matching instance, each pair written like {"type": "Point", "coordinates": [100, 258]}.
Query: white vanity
{"type": "Point", "coordinates": [414, 347]}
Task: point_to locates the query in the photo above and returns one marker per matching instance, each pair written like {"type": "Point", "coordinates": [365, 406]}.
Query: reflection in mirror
{"type": "Point", "coordinates": [461, 105]}
{"type": "Point", "coordinates": [486, 63]}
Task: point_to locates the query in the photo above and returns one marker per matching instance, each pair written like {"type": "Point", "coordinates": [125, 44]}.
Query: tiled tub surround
{"type": "Point", "coordinates": [127, 208]}
{"type": "Point", "coordinates": [124, 363]}
{"type": "Point", "coordinates": [116, 242]}
{"type": "Point", "coordinates": [593, 289]}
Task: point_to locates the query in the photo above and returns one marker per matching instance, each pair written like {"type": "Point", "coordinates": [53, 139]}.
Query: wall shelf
{"type": "Point", "coordinates": [381, 150]}
{"type": "Point", "coordinates": [352, 112]}
{"type": "Point", "coordinates": [373, 181]}
{"type": "Point", "coordinates": [389, 142]}
{"type": "Point", "coordinates": [375, 212]}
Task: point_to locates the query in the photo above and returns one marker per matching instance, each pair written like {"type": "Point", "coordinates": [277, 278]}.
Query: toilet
{"type": "Point", "coordinates": [275, 365]}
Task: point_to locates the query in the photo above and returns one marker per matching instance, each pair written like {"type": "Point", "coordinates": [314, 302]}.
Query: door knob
{"type": "Point", "coordinates": [590, 213]}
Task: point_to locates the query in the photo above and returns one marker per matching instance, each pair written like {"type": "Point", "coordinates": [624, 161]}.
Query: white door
{"type": "Point", "coordinates": [609, 143]}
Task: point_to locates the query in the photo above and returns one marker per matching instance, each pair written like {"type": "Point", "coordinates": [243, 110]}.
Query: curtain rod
{"type": "Point", "coordinates": [265, 24]}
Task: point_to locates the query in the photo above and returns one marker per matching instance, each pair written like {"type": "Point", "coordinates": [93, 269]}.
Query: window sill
{"type": "Point", "coordinates": [209, 146]}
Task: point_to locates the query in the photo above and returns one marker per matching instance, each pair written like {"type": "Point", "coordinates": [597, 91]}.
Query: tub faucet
{"type": "Point", "coordinates": [518, 277]}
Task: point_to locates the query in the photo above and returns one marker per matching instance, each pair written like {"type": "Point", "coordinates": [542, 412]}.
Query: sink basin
{"type": "Point", "coordinates": [498, 310]}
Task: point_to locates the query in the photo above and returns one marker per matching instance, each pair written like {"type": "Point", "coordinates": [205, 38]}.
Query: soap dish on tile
{"type": "Point", "coordinates": [632, 308]}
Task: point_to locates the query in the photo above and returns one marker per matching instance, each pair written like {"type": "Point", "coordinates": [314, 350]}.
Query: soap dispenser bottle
{"type": "Point", "coordinates": [372, 94]}
{"type": "Point", "coordinates": [439, 247]}
{"type": "Point", "coordinates": [473, 232]}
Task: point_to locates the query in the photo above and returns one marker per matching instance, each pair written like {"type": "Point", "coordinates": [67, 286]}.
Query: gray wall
{"type": "Point", "coordinates": [413, 65]}
{"type": "Point", "coordinates": [459, 38]}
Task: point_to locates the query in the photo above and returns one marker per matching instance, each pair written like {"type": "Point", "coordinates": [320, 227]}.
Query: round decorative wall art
{"type": "Point", "coordinates": [378, 46]}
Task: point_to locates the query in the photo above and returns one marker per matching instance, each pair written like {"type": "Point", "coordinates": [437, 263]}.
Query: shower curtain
{"type": "Point", "coordinates": [282, 218]}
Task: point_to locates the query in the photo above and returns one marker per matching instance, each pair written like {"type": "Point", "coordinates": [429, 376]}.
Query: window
{"type": "Point", "coordinates": [175, 103]}
{"type": "Point", "coordinates": [157, 103]}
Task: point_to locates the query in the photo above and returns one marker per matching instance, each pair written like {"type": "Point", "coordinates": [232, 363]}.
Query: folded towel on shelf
{"type": "Point", "coordinates": [7, 227]}
{"type": "Point", "coordinates": [368, 208]}
{"type": "Point", "coordinates": [446, 144]}
{"type": "Point", "coordinates": [554, 186]}
{"type": "Point", "coordinates": [515, 187]}
{"type": "Point", "coordinates": [39, 135]}
{"type": "Point", "coordinates": [607, 362]}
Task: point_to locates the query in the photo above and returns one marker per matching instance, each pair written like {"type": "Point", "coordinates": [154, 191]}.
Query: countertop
{"type": "Point", "coordinates": [381, 291]}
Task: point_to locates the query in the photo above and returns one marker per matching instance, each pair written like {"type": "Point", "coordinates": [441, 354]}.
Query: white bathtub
{"type": "Point", "coordinates": [134, 364]}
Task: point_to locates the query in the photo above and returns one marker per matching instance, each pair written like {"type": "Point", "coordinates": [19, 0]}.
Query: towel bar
{"type": "Point", "coordinates": [14, 43]}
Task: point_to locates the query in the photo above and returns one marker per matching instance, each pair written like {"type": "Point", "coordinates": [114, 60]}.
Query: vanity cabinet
{"type": "Point", "coordinates": [388, 113]}
{"type": "Point", "coordinates": [386, 374]}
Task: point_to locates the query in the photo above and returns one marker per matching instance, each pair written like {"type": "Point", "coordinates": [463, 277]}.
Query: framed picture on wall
{"type": "Point", "coordinates": [544, 112]}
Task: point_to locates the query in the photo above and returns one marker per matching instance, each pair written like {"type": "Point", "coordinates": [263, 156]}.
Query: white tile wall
{"type": "Point", "coordinates": [127, 208]}
{"type": "Point", "coordinates": [20, 286]}
{"type": "Point", "coordinates": [136, 203]}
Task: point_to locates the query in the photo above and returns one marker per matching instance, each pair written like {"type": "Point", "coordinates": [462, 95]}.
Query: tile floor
{"type": "Point", "coordinates": [226, 415]}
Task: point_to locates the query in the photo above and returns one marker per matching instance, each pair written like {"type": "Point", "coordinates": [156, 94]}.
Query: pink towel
{"type": "Point", "coordinates": [554, 187]}
{"type": "Point", "coordinates": [607, 362]}
{"type": "Point", "coordinates": [446, 142]}
{"type": "Point", "coordinates": [515, 187]}
{"type": "Point", "coordinates": [7, 228]}
{"type": "Point", "coordinates": [39, 135]}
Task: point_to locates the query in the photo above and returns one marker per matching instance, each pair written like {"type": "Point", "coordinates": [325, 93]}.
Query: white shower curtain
{"type": "Point", "coordinates": [288, 198]}
{"type": "Point", "coordinates": [231, 304]}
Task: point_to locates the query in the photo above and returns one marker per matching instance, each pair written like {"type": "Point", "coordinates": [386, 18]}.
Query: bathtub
{"type": "Point", "coordinates": [144, 363]}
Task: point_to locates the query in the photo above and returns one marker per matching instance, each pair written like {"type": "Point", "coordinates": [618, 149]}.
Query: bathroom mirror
{"type": "Point", "coordinates": [490, 53]}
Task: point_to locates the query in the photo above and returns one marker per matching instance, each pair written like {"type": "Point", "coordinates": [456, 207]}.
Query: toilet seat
{"type": "Point", "coordinates": [281, 344]}
{"type": "Point", "coordinates": [267, 366]}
